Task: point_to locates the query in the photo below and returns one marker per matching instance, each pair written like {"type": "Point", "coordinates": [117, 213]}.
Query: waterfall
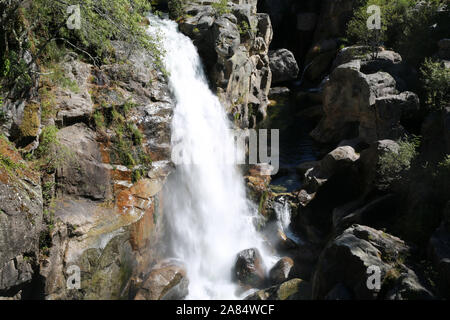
{"type": "Point", "coordinates": [208, 215]}
{"type": "Point", "coordinates": [283, 212]}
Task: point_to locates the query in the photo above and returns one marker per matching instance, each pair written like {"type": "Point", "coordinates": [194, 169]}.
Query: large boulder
{"type": "Point", "coordinates": [249, 269]}
{"type": "Point", "coordinates": [330, 183]}
{"type": "Point", "coordinates": [346, 261]}
{"type": "Point", "coordinates": [363, 101]}
{"type": "Point", "coordinates": [283, 65]}
{"type": "Point", "coordinates": [167, 281]}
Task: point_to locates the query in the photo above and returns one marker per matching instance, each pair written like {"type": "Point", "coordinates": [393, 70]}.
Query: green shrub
{"type": "Point", "coordinates": [221, 7]}
{"type": "Point", "coordinates": [436, 84]}
{"type": "Point", "coordinates": [101, 22]}
{"type": "Point", "coordinates": [126, 140]}
{"type": "Point", "coordinates": [244, 28]}
{"type": "Point", "coordinates": [51, 154]}
{"type": "Point", "coordinates": [405, 27]}
{"type": "Point", "coordinates": [393, 15]}
{"type": "Point", "coordinates": [176, 11]}
{"type": "Point", "coordinates": [394, 165]}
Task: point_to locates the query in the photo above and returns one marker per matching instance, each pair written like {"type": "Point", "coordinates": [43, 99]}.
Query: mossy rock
{"type": "Point", "coordinates": [31, 121]}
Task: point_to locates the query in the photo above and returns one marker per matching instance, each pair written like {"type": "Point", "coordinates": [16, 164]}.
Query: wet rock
{"type": "Point", "coordinates": [280, 272]}
{"type": "Point", "coordinates": [249, 268]}
{"type": "Point", "coordinates": [283, 65]}
{"type": "Point", "coordinates": [167, 281]}
{"type": "Point", "coordinates": [295, 289]}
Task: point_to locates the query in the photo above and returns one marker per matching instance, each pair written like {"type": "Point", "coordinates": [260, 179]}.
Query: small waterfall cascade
{"type": "Point", "coordinates": [208, 215]}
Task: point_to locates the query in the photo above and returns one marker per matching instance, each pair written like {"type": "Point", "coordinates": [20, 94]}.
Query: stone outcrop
{"type": "Point", "coordinates": [102, 217]}
{"type": "Point", "coordinates": [363, 103]}
{"type": "Point", "coordinates": [346, 260]}
{"type": "Point", "coordinates": [21, 222]}
{"type": "Point", "coordinates": [283, 66]}
{"type": "Point", "coordinates": [327, 184]}
{"type": "Point", "coordinates": [234, 47]}
{"type": "Point", "coordinates": [166, 281]}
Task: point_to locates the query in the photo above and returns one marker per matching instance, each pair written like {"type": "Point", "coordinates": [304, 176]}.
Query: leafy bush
{"type": "Point", "coordinates": [406, 27]}
{"type": "Point", "coordinates": [394, 165]}
{"type": "Point", "coordinates": [221, 7]}
{"type": "Point", "coordinates": [101, 22]}
{"type": "Point", "coordinates": [436, 84]}
{"type": "Point", "coordinates": [30, 31]}
{"type": "Point", "coordinates": [176, 9]}
{"type": "Point", "coordinates": [51, 154]}
{"type": "Point", "coordinates": [392, 13]}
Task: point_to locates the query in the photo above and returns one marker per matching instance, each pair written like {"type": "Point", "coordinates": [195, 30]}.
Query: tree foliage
{"type": "Point", "coordinates": [28, 28]}
{"type": "Point", "coordinates": [394, 165]}
{"type": "Point", "coordinates": [410, 27]}
{"type": "Point", "coordinates": [436, 84]}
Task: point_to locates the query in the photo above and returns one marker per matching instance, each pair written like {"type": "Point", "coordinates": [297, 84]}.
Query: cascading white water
{"type": "Point", "coordinates": [283, 212]}
{"type": "Point", "coordinates": [209, 216]}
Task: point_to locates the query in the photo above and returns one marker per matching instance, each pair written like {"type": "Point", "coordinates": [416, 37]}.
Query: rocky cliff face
{"type": "Point", "coordinates": [233, 43]}
{"type": "Point", "coordinates": [98, 207]}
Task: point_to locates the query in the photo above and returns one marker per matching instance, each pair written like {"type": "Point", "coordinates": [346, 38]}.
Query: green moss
{"type": "Point", "coordinates": [278, 189]}
{"type": "Point", "coordinates": [244, 28]}
{"type": "Point", "coordinates": [51, 154]}
{"type": "Point", "coordinates": [48, 103]}
{"type": "Point", "coordinates": [127, 139]}
{"type": "Point", "coordinates": [9, 165]}
{"type": "Point", "coordinates": [31, 121]}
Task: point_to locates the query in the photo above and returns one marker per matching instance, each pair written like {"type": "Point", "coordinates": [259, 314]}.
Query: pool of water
{"type": "Point", "coordinates": [296, 145]}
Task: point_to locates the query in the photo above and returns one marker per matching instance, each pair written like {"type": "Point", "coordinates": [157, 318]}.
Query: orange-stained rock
{"type": "Point", "coordinates": [142, 230]}
{"type": "Point", "coordinates": [146, 188]}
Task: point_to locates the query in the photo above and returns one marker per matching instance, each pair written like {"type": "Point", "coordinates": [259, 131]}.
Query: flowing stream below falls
{"type": "Point", "coordinates": [208, 215]}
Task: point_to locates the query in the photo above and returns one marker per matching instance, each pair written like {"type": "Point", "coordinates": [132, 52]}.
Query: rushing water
{"type": "Point", "coordinates": [209, 217]}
